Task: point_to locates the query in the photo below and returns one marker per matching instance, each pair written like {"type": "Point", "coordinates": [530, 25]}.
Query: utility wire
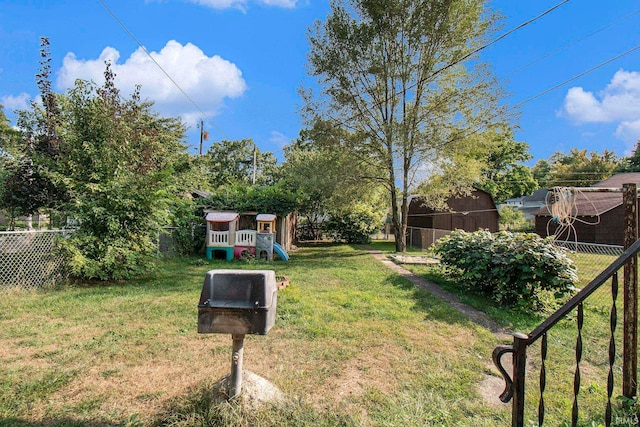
{"type": "Point", "coordinates": [568, 45]}
{"type": "Point", "coordinates": [497, 39]}
{"type": "Point", "coordinates": [124, 27]}
{"type": "Point", "coordinates": [602, 64]}
{"type": "Point", "coordinates": [473, 52]}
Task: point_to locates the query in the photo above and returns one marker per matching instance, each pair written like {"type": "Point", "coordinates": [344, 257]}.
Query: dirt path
{"type": "Point", "coordinates": [492, 385]}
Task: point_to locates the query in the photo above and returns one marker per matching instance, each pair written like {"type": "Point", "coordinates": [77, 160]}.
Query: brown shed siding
{"type": "Point", "coordinates": [608, 230]}
{"type": "Point", "coordinates": [469, 213]}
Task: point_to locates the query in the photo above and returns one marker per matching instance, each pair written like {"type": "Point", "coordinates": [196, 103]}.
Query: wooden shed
{"type": "Point", "coordinates": [469, 213]}
{"type": "Point", "coordinates": [599, 217]}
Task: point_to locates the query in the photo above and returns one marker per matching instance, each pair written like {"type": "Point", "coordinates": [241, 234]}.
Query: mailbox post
{"type": "Point", "coordinates": [237, 302]}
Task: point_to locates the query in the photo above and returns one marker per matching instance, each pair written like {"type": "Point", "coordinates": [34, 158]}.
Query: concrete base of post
{"type": "Point", "coordinates": [256, 391]}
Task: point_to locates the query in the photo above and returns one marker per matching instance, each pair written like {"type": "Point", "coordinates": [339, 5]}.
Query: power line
{"type": "Point", "coordinates": [438, 71]}
{"type": "Point", "coordinates": [186, 95]}
{"type": "Point", "coordinates": [497, 39]}
{"type": "Point", "coordinates": [577, 76]}
{"type": "Point", "coordinates": [568, 45]}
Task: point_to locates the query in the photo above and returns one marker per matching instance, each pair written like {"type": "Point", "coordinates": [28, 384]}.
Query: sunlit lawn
{"type": "Point", "coordinates": [354, 345]}
{"type": "Point", "coordinates": [560, 363]}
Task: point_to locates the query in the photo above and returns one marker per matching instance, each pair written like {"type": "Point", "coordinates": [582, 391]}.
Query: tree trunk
{"type": "Point", "coordinates": [399, 226]}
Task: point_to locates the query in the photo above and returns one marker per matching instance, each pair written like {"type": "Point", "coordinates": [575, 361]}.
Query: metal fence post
{"type": "Point", "coordinates": [519, 372]}
{"type": "Point", "coordinates": [630, 327]}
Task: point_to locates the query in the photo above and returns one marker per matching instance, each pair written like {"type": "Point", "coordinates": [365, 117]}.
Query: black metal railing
{"type": "Point", "coordinates": [515, 383]}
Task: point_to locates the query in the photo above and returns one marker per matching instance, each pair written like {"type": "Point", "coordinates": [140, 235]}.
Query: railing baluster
{"type": "Point", "coordinates": [576, 378]}
{"type": "Point", "coordinates": [514, 388]}
{"type": "Point", "coordinates": [613, 320]}
{"type": "Point", "coordinates": [543, 378]}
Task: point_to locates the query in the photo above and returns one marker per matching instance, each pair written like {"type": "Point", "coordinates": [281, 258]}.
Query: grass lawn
{"type": "Point", "coordinates": [354, 345]}
{"type": "Point", "coordinates": [560, 364]}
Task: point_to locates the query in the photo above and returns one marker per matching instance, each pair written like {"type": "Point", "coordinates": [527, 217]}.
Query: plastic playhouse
{"type": "Point", "coordinates": [225, 238]}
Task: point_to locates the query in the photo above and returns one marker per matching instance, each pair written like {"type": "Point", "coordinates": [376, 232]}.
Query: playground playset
{"type": "Point", "coordinates": [226, 240]}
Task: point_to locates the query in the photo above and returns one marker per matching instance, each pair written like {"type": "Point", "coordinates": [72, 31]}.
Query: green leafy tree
{"type": "Point", "coordinates": [231, 162]}
{"type": "Point", "coordinates": [29, 154]}
{"type": "Point", "coordinates": [631, 163]}
{"type": "Point", "coordinates": [276, 199]}
{"type": "Point", "coordinates": [115, 155]}
{"type": "Point", "coordinates": [328, 180]}
{"type": "Point", "coordinates": [542, 173]}
{"type": "Point", "coordinates": [578, 169]}
{"type": "Point", "coordinates": [391, 73]}
{"type": "Point", "coordinates": [505, 174]}
{"type": "Point", "coordinates": [10, 146]}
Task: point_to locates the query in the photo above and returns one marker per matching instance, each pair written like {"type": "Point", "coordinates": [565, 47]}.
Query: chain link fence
{"type": "Point", "coordinates": [27, 259]}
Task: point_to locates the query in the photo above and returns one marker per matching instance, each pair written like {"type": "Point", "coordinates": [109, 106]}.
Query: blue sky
{"type": "Point", "coordinates": [241, 62]}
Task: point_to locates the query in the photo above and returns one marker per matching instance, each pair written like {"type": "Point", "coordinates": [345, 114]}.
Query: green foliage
{"type": "Point", "coordinates": [365, 56]}
{"type": "Point", "coordinates": [275, 199]}
{"type": "Point", "coordinates": [354, 226]}
{"type": "Point", "coordinates": [510, 268]}
{"type": "Point", "coordinates": [328, 177]}
{"type": "Point", "coordinates": [512, 219]}
{"type": "Point", "coordinates": [27, 188]}
{"type": "Point", "coordinates": [576, 169]}
{"type": "Point", "coordinates": [631, 163]}
{"type": "Point", "coordinates": [504, 175]}
{"type": "Point", "coordinates": [190, 233]}
{"type": "Point", "coordinates": [232, 162]}
{"type": "Point", "coordinates": [9, 138]}
{"type": "Point", "coordinates": [90, 256]}
{"type": "Point", "coordinates": [115, 157]}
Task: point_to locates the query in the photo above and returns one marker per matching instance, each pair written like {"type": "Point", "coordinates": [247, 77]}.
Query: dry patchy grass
{"type": "Point", "coordinates": [353, 345]}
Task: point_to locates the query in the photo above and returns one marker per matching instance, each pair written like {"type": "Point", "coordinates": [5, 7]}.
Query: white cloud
{"type": "Point", "coordinates": [18, 102]}
{"type": "Point", "coordinates": [583, 106]}
{"type": "Point", "coordinates": [288, 4]}
{"type": "Point", "coordinates": [279, 139]}
{"type": "Point", "coordinates": [617, 103]}
{"type": "Point", "coordinates": [242, 4]}
{"type": "Point", "coordinates": [206, 80]}
{"type": "Point", "coordinates": [629, 131]}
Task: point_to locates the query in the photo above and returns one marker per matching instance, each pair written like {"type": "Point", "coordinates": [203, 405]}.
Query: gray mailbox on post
{"type": "Point", "coordinates": [237, 302]}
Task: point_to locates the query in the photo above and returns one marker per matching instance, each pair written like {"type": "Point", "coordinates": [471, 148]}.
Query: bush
{"type": "Point", "coordinates": [190, 232]}
{"type": "Point", "coordinates": [512, 219]}
{"type": "Point", "coordinates": [90, 257]}
{"type": "Point", "coordinates": [509, 268]}
{"type": "Point", "coordinates": [351, 227]}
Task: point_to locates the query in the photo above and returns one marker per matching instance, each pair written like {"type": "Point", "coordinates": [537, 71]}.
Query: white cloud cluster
{"type": "Point", "coordinates": [242, 4]}
{"type": "Point", "coordinates": [206, 80]}
{"type": "Point", "coordinates": [19, 102]}
{"type": "Point", "coordinates": [618, 102]}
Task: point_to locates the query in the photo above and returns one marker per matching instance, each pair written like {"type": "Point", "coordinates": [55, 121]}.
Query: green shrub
{"type": "Point", "coordinates": [510, 268]}
{"type": "Point", "coordinates": [351, 227]}
{"type": "Point", "coordinates": [190, 233]}
{"type": "Point", "coordinates": [91, 257]}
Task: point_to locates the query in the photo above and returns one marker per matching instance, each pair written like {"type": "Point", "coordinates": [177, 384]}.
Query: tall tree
{"type": "Point", "coordinates": [29, 184]}
{"type": "Point", "coordinates": [505, 174]}
{"type": "Point", "coordinates": [576, 169]}
{"type": "Point", "coordinates": [631, 163]}
{"type": "Point", "coordinates": [391, 73]}
{"type": "Point", "coordinates": [233, 162]}
{"type": "Point", "coordinates": [115, 155]}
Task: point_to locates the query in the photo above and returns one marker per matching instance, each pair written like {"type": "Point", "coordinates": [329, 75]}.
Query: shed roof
{"type": "Point", "coordinates": [265, 217]}
{"type": "Point", "coordinates": [593, 204]}
{"type": "Point", "coordinates": [221, 216]}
